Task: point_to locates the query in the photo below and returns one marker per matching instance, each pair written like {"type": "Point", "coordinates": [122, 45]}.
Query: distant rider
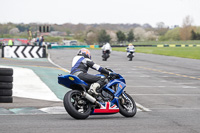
{"type": "Point", "coordinates": [106, 48]}
{"type": "Point", "coordinates": [130, 49]}
{"type": "Point", "coordinates": [80, 65]}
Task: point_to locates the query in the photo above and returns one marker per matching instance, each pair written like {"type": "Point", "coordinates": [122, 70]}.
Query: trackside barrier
{"type": "Point", "coordinates": [98, 46]}
{"type": "Point", "coordinates": [127, 45]}
{"type": "Point", "coordinates": [24, 51]}
{"type": "Point", "coordinates": [6, 85]}
{"type": "Point", "coordinates": [160, 45]}
{"type": "Point", "coordinates": [75, 46]}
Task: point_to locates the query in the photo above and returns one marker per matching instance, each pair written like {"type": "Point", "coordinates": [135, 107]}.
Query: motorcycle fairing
{"type": "Point", "coordinates": [113, 106]}
{"type": "Point", "coordinates": [71, 81]}
{"type": "Point", "coordinates": [106, 108]}
{"type": "Point", "coordinates": [121, 86]}
{"type": "Point", "coordinates": [121, 79]}
{"type": "Point", "coordinates": [118, 92]}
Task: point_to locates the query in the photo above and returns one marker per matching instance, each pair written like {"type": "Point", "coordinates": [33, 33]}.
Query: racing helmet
{"type": "Point", "coordinates": [84, 52]}
{"type": "Point", "coordinates": [130, 44]}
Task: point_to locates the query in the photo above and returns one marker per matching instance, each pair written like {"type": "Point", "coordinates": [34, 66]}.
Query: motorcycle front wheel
{"type": "Point", "coordinates": [127, 106]}
{"type": "Point", "coordinates": [77, 106]}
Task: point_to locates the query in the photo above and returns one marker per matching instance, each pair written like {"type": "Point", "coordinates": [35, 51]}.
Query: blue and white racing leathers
{"type": "Point", "coordinates": [80, 66]}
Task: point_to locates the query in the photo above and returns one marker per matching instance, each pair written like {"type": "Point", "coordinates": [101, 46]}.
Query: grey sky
{"type": "Point", "coordinates": [171, 12]}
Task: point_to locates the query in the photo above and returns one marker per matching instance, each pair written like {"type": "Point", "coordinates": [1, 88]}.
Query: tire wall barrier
{"type": "Point", "coordinates": [6, 85]}
{"type": "Point", "coordinates": [24, 51]}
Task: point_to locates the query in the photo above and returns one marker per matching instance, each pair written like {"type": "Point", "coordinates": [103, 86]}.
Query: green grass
{"type": "Point", "coordinates": [185, 52]}
{"type": "Point", "coordinates": [166, 42]}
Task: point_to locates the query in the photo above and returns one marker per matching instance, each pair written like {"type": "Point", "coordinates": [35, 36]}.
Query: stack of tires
{"type": "Point", "coordinates": [6, 85]}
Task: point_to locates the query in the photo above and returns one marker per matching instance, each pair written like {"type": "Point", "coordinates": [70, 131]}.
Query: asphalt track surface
{"type": "Point", "coordinates": [168, 86]}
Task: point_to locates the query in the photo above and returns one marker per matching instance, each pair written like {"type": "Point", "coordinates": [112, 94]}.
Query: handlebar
{"type": "Point", "coordinates": [111, 77]}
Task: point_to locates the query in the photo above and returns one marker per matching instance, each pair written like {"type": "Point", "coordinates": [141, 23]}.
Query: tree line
{"type": "Point", "coordinates": [103, 37]}
{"type": "Point", "coordinates": [195, 35]}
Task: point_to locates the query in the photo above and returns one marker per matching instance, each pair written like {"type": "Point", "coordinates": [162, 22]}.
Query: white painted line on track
{"type": "Point", "coordinates": [134, 69]}
{"type": "Point", "coordinates": [184, 83]}
{"type": "Point", "coordinates": [54, 110]}
{"type": "Point", "coordinates": [145, 76]}
{"type": "Point", "coordinates": [189, 87]}
{"type": "Point", "coordinates": [49, 59]}
{"type": "Point", "coordinates": [142, 107]}
{"type": "Point", "coordinates": [129, 72]}
{"type": "Point", "coordinates": [163, 81]}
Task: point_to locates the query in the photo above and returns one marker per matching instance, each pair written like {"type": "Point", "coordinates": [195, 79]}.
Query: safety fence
{"type": "Point", "coordinates": [24, 51]}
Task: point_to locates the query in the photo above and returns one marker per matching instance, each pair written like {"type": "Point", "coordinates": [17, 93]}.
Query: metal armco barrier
{"type": "Point", "coordinates": [24, 51]}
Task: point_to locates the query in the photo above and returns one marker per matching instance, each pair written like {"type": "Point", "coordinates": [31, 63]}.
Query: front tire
{"type": "Point", "coordinates": [77, 106]}
{"type": "Point", "coordinates": [127, 106]}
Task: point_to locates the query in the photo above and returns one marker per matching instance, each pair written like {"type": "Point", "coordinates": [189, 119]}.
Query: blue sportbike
{"type": "Point", "coordinates": [111, 97]}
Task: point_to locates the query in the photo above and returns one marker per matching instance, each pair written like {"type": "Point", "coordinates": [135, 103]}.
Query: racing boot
{"type": "Point", "coordinates": [93, 88]}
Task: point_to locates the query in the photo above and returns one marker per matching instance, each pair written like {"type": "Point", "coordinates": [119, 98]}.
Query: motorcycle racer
{"type": "Point", "coordinates": [130, 51]}
{"type": "Point", "coordinates": [106, 47]}
{"type": "Point", "coordinates": [106, 50]}
{"type": "Point", "coordinates": [80, 65]}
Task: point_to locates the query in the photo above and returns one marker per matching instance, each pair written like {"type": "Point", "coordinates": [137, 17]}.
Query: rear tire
{"type": "Point", "coordinates": [74, 109]}
{"type": "Point", "coordinates": [107, 56]}
{"type": "Point", "coordinates": [128, 103]}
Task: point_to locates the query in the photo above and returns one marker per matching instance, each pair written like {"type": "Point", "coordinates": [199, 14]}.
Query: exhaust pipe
{"type": "Point", "coordinates": [90, 98]}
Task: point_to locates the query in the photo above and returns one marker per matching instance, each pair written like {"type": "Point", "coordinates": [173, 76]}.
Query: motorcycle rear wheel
{"type": "Point", "coordinates": [127, 106]}
{"type": "Point", "coordinates": [77, 106]}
